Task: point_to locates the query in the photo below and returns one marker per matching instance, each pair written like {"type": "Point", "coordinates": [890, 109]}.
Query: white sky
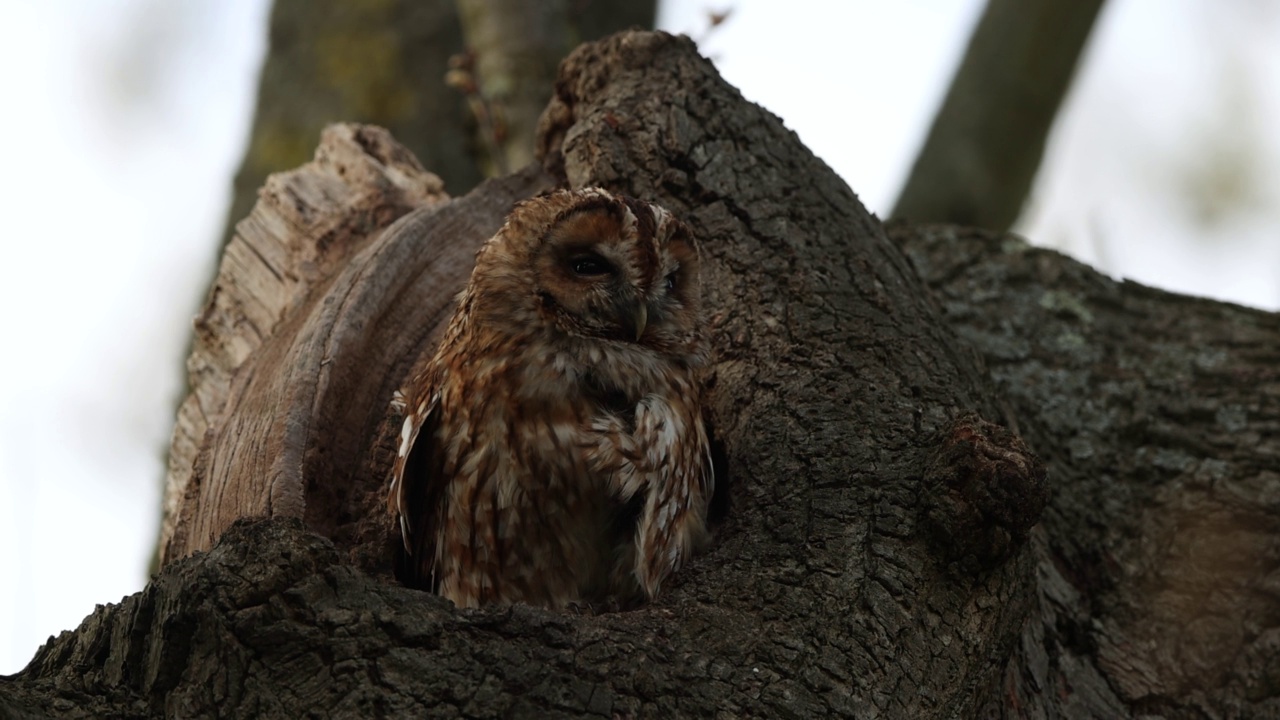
{"type": "Point", "coordinates": [125, 120]}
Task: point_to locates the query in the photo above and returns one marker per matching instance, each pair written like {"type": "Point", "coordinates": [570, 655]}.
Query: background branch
{"type": "Point", "coordinates": [982, 153]}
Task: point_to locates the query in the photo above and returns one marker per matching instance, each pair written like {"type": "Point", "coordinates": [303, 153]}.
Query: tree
{"type": "Point", "coordinates": [874, 557]}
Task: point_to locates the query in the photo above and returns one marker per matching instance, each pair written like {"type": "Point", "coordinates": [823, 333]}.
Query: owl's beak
{"type": "Point", "coordinates": [641, 320]}
{"type": "Point", "coordinates": [632, 315]}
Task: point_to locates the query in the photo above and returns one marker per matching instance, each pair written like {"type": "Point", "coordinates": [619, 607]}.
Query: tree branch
{"type": "Point", "coordinates": [982, 153]}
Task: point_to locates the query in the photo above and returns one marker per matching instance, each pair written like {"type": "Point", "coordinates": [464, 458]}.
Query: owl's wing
{"type": "Point", "coordinates": [675, 474]}
{"type": "Point", "coordinates": [707, 478]}
{"type": "Point", "coordinates": [416, 489]}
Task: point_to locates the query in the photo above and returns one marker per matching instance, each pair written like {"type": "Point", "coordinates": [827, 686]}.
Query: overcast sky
{"type": "Point", "coordinates": [125, 120]}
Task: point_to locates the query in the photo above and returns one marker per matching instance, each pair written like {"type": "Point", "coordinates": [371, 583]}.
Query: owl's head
{"type": "Point", "coordinates": [600, 266]}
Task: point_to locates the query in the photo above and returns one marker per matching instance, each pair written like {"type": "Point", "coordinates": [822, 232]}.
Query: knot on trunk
{"type": "Point", "coordinates": [983, 492]}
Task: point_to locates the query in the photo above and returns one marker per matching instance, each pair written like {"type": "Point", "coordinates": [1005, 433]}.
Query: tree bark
{"type": "Point", "coordinates": [982, 152]}
{"type": "Point", "coordinates": [1159, 417]}
{"type": "Point", "coordinates": [874, 557]}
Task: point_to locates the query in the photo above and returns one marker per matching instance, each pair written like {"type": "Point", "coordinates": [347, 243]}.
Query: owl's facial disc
{"type": "Point", "coordinates": [589, 278]}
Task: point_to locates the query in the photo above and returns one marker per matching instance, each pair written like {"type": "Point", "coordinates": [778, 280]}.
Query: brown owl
{"type": "Point", "coordinates": [553, 451]}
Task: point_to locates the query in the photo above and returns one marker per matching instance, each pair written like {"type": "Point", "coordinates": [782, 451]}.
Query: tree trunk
{"type": "Point", "coordinates": [516, 46]}
{"type": "Point", "coordinates": [874, 557]}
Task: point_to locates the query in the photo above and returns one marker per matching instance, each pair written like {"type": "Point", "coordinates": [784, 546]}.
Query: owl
{"type": "Point", "coordinates": [553, 451]}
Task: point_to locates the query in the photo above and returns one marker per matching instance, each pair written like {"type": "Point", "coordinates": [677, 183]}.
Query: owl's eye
{"type": "Point", "coordinates": [671, 282]}
{"type": "Point", "coordinates": [590, 265]}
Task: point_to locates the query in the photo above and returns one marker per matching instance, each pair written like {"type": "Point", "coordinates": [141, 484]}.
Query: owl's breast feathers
{"type": "Point", "coordinates": [548, 484]}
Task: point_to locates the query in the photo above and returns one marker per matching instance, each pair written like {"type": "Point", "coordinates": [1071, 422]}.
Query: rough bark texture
{"type": "Point", "coordinates": [985, 145]}
{"type": "Point", "coordinates": [1159, 419]}
{"type": "Point", "coordinates": [870, 563]}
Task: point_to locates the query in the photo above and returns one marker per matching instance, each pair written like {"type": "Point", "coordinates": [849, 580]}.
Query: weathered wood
{"type": "Point", "coordinates": [306, 225]}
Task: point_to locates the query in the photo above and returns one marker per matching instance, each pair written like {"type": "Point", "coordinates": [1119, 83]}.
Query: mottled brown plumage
{"type": "Point", "coordinates": [553, 451]}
